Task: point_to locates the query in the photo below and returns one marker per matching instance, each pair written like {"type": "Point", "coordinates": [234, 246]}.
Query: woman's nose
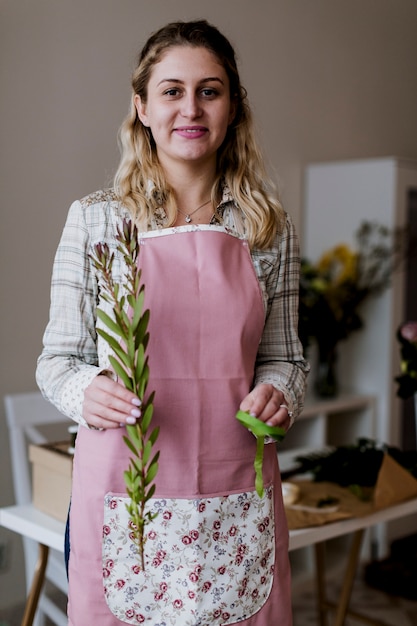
{"type": "Point", "coordinates": [190, 106]}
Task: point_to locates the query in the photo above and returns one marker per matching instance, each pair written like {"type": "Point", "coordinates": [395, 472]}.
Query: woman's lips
{"type": "Point", "coordinates": [191, 132]}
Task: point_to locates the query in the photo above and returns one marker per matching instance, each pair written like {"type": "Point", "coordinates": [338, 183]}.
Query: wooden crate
{"type": "Point", "coordinates": [51, 476]}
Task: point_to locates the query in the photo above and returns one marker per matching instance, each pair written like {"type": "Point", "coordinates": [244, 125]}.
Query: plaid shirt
{"type": "Point", "coordinates": [74, 354]}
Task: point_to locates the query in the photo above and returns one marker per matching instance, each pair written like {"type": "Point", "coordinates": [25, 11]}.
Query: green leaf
{"type": "Point", "coordinates": [143, 381]}
{"type": "Point", "coordinates": [146, 418]}
{"type": "Point", "coordinates": [137, 464]}
{"type": "Point", "coordinates": [135, 435]}
{"type": "Point", "coordinates": [156, 457]}
{"type": "Point", "coordinates": [147, 449]}
{"type": "Point", "coordinates": [140, 362]}
{"type": "Point", "coordinates": [141, 337]}
{"type": "Point", "coordinates": [118, 368]}
{"type": "Point", "coordinates": [137, 307]}
{"type": "Point", "coordinates": [259, 428]}
{"type": "Point", "coordinates": [259, 481]}
{"type": "Point", "coordinates": [124, 318]}
{"type": "Point", "coordinates": [127, 479]}
{"type": "Point", "coordinates": [145, 340]}
{"type": "Point", "coordinates": [152, 471]}
{"type": "Point", "coordinates": [110, 323]}
{"type": "Point", "coordinates": [130, 348]}
{"type": "Point", "coordinates": [137, 483]}
{"type": "Point", "coordinates": [154, 435]}
{"type": "Point", "coordinates": [115, 345]}
{"type": "Point", "coordinates": [149, 495]}
{"type": "Point", "coordinates": [130, 445]}
{"type": "Point", "coordinates": [119, 320]}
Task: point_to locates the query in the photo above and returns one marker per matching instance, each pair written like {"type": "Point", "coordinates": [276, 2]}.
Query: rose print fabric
{"type": "Point", "coordinates": [209, 560]}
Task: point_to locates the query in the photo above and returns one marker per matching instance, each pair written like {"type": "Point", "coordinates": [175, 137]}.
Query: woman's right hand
{"type": "Point", "coordinates": [108, 404]}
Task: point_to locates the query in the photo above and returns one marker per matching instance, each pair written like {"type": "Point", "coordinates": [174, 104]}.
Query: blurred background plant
{"type": "Point", "coordinates": [333, 288]}
{"type": "Point", "coordinates": [407, 380]}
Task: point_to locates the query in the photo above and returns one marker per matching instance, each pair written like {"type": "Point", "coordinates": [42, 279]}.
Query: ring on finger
{"type": "Point", "coordinates": [284, 406]}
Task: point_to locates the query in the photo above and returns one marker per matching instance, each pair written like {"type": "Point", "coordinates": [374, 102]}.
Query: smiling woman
{"type": "Point", "coordinates": [219, 262]}
{"type": "Point", "coordinates": [188, 108]}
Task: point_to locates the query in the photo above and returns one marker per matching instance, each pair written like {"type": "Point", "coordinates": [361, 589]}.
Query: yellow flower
{"type": "Point", "coordinates": [340, 264]}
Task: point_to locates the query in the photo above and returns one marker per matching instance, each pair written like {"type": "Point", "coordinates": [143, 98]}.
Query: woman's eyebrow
{"type": "Point", "coordinates": [177, 81]}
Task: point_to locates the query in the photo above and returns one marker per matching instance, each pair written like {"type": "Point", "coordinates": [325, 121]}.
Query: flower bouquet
{"type": "Point", "coordinates": [333, 289]}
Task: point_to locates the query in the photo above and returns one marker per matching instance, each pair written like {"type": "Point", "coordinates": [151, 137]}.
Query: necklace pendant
{"type": "Point", "coordinates": [187, 219]}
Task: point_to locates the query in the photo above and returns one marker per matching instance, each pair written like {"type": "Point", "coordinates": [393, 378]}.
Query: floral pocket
{"type": "Point", "coordinates": [208, 560]}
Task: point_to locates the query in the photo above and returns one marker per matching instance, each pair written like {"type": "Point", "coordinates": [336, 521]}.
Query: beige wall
{"type": "Point", "coordinates": [327, 79]}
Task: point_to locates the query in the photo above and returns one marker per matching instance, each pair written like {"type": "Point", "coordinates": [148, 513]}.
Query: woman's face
{"type": "Point", "coordinates": [188, 108]}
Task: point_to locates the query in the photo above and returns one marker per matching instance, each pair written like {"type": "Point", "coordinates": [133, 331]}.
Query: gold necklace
{"type": "Point", "coordinates": [188, 216]}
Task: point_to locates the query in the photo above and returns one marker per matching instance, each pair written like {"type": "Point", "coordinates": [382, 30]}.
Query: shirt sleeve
{"type": "Point", "coordinates": [69, 360]}
{"type": "Point", "coordinates": [280, 359]}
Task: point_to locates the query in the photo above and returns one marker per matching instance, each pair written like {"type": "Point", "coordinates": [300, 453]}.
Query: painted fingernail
{"type": "Point", "coordinates": [135, 412]}
{"type": "Point", "coordinates": [131, 420]}
{"type": "Point", "coordinates": [252, 414]}
{"type": "Point", "coordinates": [136, 402]}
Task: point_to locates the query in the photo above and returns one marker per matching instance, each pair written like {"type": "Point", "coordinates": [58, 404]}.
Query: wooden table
{"type": "Point", "coordinates": [355, 526]}
{"type": "Point", "coordinates": [49, 533]}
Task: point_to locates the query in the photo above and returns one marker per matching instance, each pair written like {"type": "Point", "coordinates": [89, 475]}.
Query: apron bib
{"type": "Point", "coordinates": [216, 553]}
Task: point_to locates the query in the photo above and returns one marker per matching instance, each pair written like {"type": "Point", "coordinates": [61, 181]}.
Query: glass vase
{"type": "Point", "coordinates": [326, 383]}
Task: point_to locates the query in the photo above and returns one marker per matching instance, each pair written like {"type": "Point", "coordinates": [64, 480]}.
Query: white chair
{"type": "Point", "coordinates": [25, 413]}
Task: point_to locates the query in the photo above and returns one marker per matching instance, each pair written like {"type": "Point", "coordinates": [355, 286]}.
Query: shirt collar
{"type": "Point", "coordinates": [226, 199]}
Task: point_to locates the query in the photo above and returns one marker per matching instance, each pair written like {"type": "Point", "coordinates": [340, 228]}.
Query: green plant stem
{"type": "Point", "coordinates": [128, 339]}
{"type": "Point", "coordinates": [260, 430]}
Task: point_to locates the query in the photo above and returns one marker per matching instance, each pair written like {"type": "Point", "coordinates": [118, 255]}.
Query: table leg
{"type": "Point", "coordinates": [36, 587]}
{"type": "Point", "coordinates": [321, 583]}
{"type": "Point", "coordinates": [342, 606]}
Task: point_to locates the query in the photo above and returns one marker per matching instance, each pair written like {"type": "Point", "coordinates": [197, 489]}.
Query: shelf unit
{"type": "Point", "coordinates": [323, 423]}
{"type": "Point", "coordinates": [331, 422]}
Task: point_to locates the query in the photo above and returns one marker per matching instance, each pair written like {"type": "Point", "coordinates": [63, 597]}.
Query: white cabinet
{"type": "Point", "coordinates": [338, 196]}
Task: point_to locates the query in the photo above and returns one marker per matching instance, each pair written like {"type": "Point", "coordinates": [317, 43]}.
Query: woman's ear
{"type": "Point", "coordinates": [141, 110]}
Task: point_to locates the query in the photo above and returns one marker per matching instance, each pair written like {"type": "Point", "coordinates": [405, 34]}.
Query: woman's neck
{"type": "Point", "coordinates": [191, 189]}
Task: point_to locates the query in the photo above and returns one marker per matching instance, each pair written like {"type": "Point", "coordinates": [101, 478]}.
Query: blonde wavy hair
{"type": "Point", "coordinates": [140, 182]}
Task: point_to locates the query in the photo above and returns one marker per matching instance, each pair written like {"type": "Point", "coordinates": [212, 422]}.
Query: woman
{"type": "Point", "coordinates": [219, 260]}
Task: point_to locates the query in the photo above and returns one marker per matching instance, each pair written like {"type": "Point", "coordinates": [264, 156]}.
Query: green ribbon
{"type": "Point", "coordinates": [260, 430]}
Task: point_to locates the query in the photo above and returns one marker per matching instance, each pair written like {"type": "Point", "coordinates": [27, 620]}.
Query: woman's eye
{"type": "Point", "coordinates": [173, 91]}
{"type": "Point", "coordinates": [208, 92]}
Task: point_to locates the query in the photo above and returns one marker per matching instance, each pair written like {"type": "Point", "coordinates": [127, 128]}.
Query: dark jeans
{"type": "Point", "coordinates": [67, 541]}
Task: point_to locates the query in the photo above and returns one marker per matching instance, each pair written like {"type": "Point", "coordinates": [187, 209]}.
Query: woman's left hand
{"type": "Point", "coordinates": [266, 403]}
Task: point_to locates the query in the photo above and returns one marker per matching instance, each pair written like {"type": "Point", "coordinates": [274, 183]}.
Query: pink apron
{"type": "Point", "coordinates": [216, 554]}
